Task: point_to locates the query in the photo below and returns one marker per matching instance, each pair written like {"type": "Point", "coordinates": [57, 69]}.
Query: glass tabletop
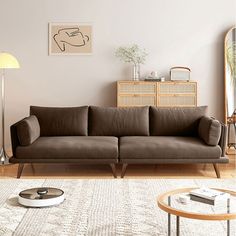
{"type": "Point", "coordinates": [178, 202]}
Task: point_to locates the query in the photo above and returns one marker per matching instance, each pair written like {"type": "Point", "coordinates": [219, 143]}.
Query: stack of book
{"type": "Point", "coordinates": [208, 196]}
{"type": "Point", "coordinates": [152, 79]}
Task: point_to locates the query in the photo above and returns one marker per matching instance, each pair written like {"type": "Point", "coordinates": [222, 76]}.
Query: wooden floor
{"type": "Point", "coordinates": [133, 171]}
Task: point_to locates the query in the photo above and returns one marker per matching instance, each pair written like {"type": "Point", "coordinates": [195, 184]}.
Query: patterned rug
{"type": "Point", "coordinates": [103, 208]}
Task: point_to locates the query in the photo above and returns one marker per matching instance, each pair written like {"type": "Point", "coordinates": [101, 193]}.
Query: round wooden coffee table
{"type": "Point", "coordinates": [169, 203]}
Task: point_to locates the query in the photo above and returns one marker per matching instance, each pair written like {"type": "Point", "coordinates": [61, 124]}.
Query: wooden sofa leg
{"type": "Point", "coordinates": [33, 168]}
{"type": "Point", "coordinates": [20, 169]}
{"type": "Point", "coordinates": [216, 170]}
{"type": "Point", "coordinates": [113, 168]}
{"type": "Point", "coordinates": [124, 166]}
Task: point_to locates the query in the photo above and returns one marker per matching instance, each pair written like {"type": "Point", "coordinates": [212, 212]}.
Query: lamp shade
{"type": "Point", "coordinates": [8, 61]}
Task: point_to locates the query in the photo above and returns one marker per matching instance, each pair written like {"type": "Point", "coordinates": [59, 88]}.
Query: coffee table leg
{"type": "Point", "coordinates": [177, 226]}
{"type": "Point", "coordinates": [169, 217]}
{"type": "Point", "coordinates": [228, 221]}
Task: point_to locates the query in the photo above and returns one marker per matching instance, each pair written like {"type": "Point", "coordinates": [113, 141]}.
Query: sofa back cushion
{"type": "Point", "coordinates": [175, 121]}
{"type": "Point", "coordinates": [28, 130]}
{"type": "Point", "coordinates": [63, 121]}
{"type": "Point", "coordinates": [113, 121]}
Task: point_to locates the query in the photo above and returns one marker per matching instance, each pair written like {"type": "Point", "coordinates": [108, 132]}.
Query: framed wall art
{"type": "Point", "coordinates": [70, 39]}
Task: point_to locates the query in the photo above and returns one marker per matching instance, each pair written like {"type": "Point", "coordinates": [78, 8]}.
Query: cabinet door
{"type": "Point", "coordinates": [135, 100]}
{"type": "Point", "coordinates": [136, 88]}
{"type": "Point", "coordinates": [177, 88]}
{"type": "Point", "coordinates": [177, 100]}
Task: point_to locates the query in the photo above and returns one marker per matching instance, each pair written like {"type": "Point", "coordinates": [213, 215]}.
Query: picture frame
{"type": "Point", "coordinates": [70, 38]}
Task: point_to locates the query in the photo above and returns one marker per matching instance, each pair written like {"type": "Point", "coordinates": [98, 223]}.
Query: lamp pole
{"type": "Point", "coordinates": [3, 154]}
{"type": "Point", "coordinates": [7, 61]}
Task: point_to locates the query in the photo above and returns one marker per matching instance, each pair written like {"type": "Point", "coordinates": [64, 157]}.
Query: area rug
{"type": "Point", "coordinates": [103, 208]}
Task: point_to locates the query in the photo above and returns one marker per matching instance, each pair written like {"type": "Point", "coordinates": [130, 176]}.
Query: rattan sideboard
{"type": "Point", "coordinates": [161, 94]}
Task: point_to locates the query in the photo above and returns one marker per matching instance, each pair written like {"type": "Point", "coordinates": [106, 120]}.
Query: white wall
{"type": "Point", "coordinates": [174, 32]}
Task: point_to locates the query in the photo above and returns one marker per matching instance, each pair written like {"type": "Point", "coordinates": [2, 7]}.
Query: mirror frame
{"type": "Point", "coordinates": [225, 64]}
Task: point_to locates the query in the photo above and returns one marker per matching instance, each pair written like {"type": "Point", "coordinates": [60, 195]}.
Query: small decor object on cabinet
{"type": "Point", "coordinates": [153, 77]}
{"type": "Point", "coordinates": [70, 39]}
{"type": "Point", "coordinates": [180, 73]}
{"type": "Point", "coordinates": [134, 55]}
{"type": "Point", "coordinates": [154, 74]}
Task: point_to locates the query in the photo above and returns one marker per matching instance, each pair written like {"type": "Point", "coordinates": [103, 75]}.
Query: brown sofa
{"type": "Point", "coordinates": [98, 135]}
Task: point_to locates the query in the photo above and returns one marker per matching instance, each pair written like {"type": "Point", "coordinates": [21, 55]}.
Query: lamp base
{"type": "Point", "coordinates": [4, 158]}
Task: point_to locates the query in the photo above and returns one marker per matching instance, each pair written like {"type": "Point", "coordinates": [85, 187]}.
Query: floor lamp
{"type": "Point", "coordinates": [7, 61]}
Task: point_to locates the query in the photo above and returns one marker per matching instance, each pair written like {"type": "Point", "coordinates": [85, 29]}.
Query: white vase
{"type": "Point", "coordinates": [136, 72]}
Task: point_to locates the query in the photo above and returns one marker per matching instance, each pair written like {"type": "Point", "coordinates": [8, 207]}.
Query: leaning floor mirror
{"type": "Point", "coordinates": [230, 86]}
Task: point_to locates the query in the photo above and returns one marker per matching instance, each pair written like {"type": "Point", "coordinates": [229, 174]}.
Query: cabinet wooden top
{"type": "Point", "coordinates": [167, 81]}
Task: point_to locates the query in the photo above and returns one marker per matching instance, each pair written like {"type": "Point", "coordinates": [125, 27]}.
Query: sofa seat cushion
{"type": "Point", "coordinates": [70, 147]}
{"type": "Point", "coordinates": [164, 147]}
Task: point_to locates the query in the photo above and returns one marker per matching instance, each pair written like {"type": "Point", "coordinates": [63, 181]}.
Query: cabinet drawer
{"type": "Point", "coordinates": [177, 101]}
{"type": "Point", "coordinates": [136, 100]}
{"type": "Point", "coordinates": [172, 87]}
{"type": "Point", "coordinates": [136, 88]}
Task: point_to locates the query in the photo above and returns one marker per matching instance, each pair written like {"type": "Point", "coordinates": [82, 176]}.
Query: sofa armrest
{"type": "Point", "coordinates": [28, 130]}
{"type": "Point", "coordinates": [14, 138]}
{"type": "Point", "coordinates": [24, 132]}
{"type": "Point", "coordinates": [209, 130]}
{"type": "Point", "coordinates": [223, 138]}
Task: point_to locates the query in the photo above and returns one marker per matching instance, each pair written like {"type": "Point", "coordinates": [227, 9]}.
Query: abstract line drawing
{"type": "Point", "coordinates": [71, 36]}
{"type": "Point", "coordinates": [70, 39]}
